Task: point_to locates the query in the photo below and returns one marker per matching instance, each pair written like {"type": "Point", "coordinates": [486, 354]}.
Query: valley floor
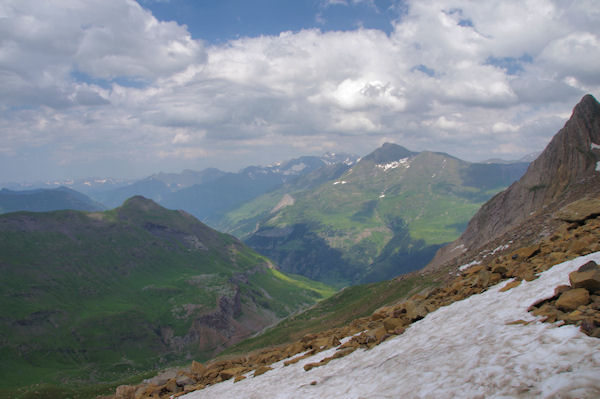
{"type": "Point", "coordinates": [469, 349]}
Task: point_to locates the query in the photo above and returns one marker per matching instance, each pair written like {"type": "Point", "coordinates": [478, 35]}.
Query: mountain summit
{"type": "Point", "coordinates": [569, 168]}
{"type": "Point", "coordinates": [389, 152]}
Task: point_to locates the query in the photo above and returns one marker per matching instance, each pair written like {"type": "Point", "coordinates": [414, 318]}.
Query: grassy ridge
{"type": "Point", "coordinates": [335, 311]}
{"type": "Point", "coordinates": [95, 297]}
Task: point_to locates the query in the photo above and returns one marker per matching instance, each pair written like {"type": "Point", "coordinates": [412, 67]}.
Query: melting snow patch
{"type": "Point", "coordinates": [595, 146]}
{"type": "Point", "coordinates": [404, 162]}
{"type": "Point", "coordinates": [500, 248]}
{"type": "Point", "coordinates": [465, 350]}
{"type": "Point", "coordinates": [598, 166]}
{"type": "Point", "coordinates": [340, 182]}
{"type": "Point", "coordinates": [466, 266]}
{"type": "Point", "coordinates": [382, 196]}
{"type": "Point", "coordinates": [461, 246]}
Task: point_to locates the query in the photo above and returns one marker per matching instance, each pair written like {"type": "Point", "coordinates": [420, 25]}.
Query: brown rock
{"type": "Point", "coordinates": [239, 378]}
{"type": "Point", "coordinates": [574, 316]}
{"type": "Point", "coordinates": [125, 392]}
{"type": "Point", "coordinates": [500, 269]}
{"type": "Point", "coordinates": [172, 386]}
{"type": "Point", "coordinates": [261, 370]}
{"type": "Point", "coordinates": [510, 285]}
{"type": "Point", "coordinates": [414, 311]}
{"type": "Point", "coordinates": [560, 289]}
{"type": "Point", "coordinates": [495, 278]}
{"type": "Point", "coordinates": [570, 300]}
{"type": "Point", "coordinates": [184, 380]}
{"type": "Point", "coordinates": [526, 252]}
{"type": "Point", "coordinates": [198, 368]}
{"type": "Point", "coordinates": [474, 269]}
{"type": "Point", "coordinates": [579, 247]}
{"type": "Point", "coordinates": [580, 210]}
{"type": "Point", "coordinates": [590, 280]}
{"type": "Point", "coordinates": [392, 323]}
{"type": "Point", "coordinates": [591, 265]}
{"type": "Point", "coordinates": [588, 326]}
{"type": "Point", "coordinates": [295, 348]}
{"type": "Point", "coordinates": [232, 372]}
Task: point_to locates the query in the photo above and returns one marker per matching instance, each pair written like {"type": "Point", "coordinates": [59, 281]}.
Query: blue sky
{"type": "Point", "coordinates": [126, 89]}
{"type": "Point", "coordinates": [220, 21]}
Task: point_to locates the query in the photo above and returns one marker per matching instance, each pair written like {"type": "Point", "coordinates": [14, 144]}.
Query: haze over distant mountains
{"type": "Point", "coordinates": [337, 218]}
{"type": "Point", "coordinates": [42, 200]}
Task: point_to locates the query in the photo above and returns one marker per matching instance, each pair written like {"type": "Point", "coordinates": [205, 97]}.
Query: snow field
{"type": "Point", "coordinates": [464, 350]}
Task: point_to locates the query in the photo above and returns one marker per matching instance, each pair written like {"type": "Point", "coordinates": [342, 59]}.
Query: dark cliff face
{"type": "Point", "coordinates": [567, 167]}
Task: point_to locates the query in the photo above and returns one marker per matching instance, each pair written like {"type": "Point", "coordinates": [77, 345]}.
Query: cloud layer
{"type": "Point", "coordinates": [96, 87]}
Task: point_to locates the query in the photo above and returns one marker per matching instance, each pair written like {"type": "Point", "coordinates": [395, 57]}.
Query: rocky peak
{"type": "Point", "coordinates": [567, 170]}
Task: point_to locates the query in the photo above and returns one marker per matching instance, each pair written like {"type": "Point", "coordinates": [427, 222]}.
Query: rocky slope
{"type": "Point", "coordinates": [567, 169]}
{"type": "Point", "coordinates": [576, 303]}
{"type": "Point", "coordinates": [96, 296]}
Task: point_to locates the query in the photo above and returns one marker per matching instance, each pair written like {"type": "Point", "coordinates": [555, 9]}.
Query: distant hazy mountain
{"type": "Point", "coordinates": [42, 200]}
{"type": "Point", "coordinates": [209, 201]}
{"type": "Point", "coordinates": [97, 296]}
{"type": "Point", "coordinates": [86, 185]}
{"type": "Point", "coordinates": [381, 217]}
{"type": "Point", "coordinates": [157, 187]}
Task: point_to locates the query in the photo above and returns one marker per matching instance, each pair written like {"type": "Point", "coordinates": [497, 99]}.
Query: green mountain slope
{"type": "Point", "coordinates": [384, 216]}
{"type": "Point", "coordinates": [89, 297]}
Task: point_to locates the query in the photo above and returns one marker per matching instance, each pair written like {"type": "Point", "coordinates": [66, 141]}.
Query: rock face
{"type": "Point", "coordinates": [567, 168]}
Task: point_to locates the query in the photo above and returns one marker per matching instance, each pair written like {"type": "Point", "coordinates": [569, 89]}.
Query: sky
{"type": "Point", "coordinates": [125, 89]}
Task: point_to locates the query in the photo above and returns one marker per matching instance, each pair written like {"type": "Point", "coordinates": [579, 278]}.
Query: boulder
{"type": "Point", "coordinates": [560, 289]}
{"type": "Point", "coordinates": [392, 324]}
{"type": "Point", "coordinates": [500, 269]}
{"type": "Point", "coordinates": [589, 278]}
{"type": "Point", "coordinates": [198, 368]}
{"type": "Point", "coordinates": [184, 380]}
{"type": "Point", "coordinates": [572, 299]}
{"type": "Point", "coordinates": [510, 285]}
{"type": "Point", "coordinates": [578, 211]}
{"type": "Point", "coordinates": [232, 372]}
{"type": "Point", "coordinates": [526, 252]}
{"type": "Point", "coordinates": [261, 370]}
{"type": "Point", "coordinates": [162, 378]}
{"type": "Point", "coordinates": [172, 386]}
{"type": "Point", "coordinates": [125, 392]}
{"type": "Point", "coordinates": [579, 247]}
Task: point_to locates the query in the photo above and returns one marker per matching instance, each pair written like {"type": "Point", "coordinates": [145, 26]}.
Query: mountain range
{"type": "Point", "coordinates": [42, 200]}
{"type": "Point", "coordinates": [383, 216]}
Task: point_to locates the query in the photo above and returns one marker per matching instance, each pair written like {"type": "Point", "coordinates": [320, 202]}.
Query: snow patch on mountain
{"type": "Point", "coordinates": [467, 265]}
{"type": "Point", "coordinates": [595, 146]}
{"type": "Point", "coordinates": [465, 350]}
{"type": "Point", "coordinates": [404, 162]}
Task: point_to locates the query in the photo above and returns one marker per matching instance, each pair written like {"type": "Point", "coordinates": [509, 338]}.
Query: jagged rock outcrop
{"type": "Point", "coordinates": [567, 169]}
